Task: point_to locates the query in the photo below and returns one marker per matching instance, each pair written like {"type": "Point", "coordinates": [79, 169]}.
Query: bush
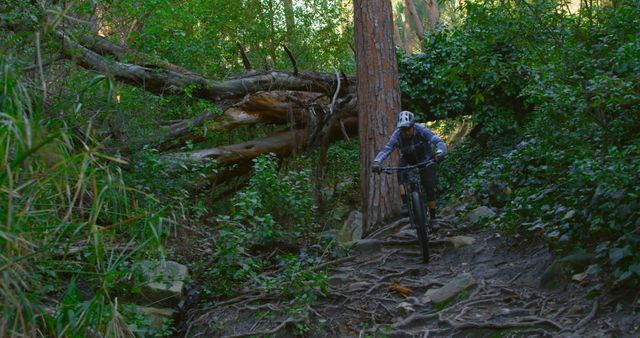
{"type": "Point", "coordinates": [273, 210]}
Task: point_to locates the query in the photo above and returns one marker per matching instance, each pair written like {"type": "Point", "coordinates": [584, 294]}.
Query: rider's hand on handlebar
{"type": "Point", "coordinates": [376, 167]}
{"type": "Point", "coordinates": [439, 156]}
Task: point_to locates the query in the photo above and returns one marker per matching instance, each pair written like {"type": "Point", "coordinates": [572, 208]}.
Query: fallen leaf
{"type": "Point", "coordinates": [399, 289]}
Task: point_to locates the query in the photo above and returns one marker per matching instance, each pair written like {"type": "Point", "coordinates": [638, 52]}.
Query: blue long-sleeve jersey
{"type": "Point", "coordinates": [414, 150]}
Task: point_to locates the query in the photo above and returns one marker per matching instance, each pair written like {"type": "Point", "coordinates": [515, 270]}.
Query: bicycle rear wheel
{"type": "Point", "coordinates": [419, 219]}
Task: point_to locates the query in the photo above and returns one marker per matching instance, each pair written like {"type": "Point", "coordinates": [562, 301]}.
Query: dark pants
{"type": "Point", "coordinates": [428, 179]}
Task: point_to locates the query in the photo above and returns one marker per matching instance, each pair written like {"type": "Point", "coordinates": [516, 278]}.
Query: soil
{"type": "Point", "coordinates": [378, 291]}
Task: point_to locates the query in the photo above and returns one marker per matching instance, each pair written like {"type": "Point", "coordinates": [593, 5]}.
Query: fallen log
{"type": "Point", "coordinates": [275, 107]}
{"type": "Point", "coordinates": [105, 47]}
{"type": "Point", "coordinates": [237, 159]}
{"type": "Point", "coordinates": [169, 82]}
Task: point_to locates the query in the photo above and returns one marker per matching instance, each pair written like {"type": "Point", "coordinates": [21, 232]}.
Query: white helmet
{"type": "Point", "coordinates": [405, 119]}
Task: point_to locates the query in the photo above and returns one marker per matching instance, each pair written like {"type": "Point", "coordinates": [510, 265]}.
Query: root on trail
{"type": "Point", "coordinates": [363, 297]}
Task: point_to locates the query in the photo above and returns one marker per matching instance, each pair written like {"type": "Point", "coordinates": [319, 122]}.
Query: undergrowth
{"type": "Point", "coordinates": [70, 228]}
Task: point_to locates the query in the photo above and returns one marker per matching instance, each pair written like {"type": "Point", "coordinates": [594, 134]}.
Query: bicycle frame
{"type": "Point", "coordinates": [417, 212]}
{"type": "Point", "coordinates": [412, 181]}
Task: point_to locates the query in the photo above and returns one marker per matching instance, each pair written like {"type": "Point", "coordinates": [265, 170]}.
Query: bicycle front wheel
{"type": "Point", "coordinates": [419, 219]}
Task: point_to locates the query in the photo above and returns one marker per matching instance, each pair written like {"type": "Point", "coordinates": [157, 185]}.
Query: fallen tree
{"type": "Point", "coordinates": [314, 109]}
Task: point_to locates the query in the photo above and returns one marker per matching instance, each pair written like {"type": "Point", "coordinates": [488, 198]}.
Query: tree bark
{"type": "Point", "coordinates": [433, 13]}
{"type": "Point", "coordinates": [378, 103]}
{"type": "Point", "coordinates": [408, 40]}
{"type": "Point", "coordinates": [411, 6]}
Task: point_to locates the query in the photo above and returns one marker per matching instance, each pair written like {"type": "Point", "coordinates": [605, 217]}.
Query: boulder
{"type": "Point", "coordinates": [449, 290]}
{"type": "Point", "coordinates": [458, 241]}
{"type": "Point", "coordinates": [366, 246]}
{"type": "Point", "coordinates": [351, 229]}
{"type": "Point", "coordinates": [156, 317]}
{"type": "Point", "coordinates": [165, 283]}
{"type": "Point", "coordinates": [353, 225]}
{"type": "Point", "coordinates": [561, 270]}
{"type": "Point", "coordinates": [476, 215]}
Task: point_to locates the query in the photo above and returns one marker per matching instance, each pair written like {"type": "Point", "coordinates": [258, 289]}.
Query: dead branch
{"type": "Point", "coordinates": [292, 58]}
{"type": "Point", "coordinates": [103, 46]}
{"type": "Point", "coordinates": [245, 59]}
{"type": "Point", "coordinates": [588, 318]}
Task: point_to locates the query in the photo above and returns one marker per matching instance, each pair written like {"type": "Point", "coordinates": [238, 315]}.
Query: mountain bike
{"type": "Point", "coordinates": [418, 215]}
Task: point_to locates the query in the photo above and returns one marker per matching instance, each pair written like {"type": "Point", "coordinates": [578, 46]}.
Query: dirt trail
{"type": "Point", "coordinates": [379, 291]}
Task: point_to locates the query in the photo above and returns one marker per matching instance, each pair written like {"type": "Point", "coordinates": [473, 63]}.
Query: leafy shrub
{"type": "Point", "coordinates": [273, 209]}
{"type": "Point", "coordinates": [271, 198]}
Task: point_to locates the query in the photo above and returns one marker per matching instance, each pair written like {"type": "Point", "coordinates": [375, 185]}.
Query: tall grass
{"type": "Point", "coordinates": [69, 228]}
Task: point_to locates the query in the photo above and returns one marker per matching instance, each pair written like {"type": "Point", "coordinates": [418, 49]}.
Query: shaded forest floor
{"type": "Point", "coordinates": [379, 290]}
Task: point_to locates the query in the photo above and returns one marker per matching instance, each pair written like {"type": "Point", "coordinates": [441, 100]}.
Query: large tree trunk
{"type": "Point", "coordinates": [433, 13]}
{"type": "Point", "coordinates": [406, 25]}
{"type": "Point", "coordinates": [378, 103]}
{"type": "Point", "coordinates": [411, 6]}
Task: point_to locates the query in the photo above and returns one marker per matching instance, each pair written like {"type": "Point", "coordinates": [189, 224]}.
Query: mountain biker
{"type": "Point", "coordinates": [415, 144]}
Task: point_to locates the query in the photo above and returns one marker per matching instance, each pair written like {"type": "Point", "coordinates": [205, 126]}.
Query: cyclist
{"type": "Point", "coordinates": [415, 144]}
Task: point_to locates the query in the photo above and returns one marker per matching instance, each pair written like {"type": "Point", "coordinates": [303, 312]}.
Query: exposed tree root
{"type": "Point", "coordinates": [261, 333]}
{"type": "Point", "coordinates": [362, 303]}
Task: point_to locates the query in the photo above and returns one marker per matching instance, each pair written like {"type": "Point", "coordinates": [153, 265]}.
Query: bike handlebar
{"type": "Point", "coordinates": [389, 170]}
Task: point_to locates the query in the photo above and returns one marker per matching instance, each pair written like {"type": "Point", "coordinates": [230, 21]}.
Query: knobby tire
{"type": "Point", "coordinates": [419, 219]}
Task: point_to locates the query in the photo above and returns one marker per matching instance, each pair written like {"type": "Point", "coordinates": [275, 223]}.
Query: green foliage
{"type": "Point", "coordinates": [274, 210]}
{"type": "Point", "coordinates": [298, 279]}
{"type": "Point", "coordinates": [232, 265]}
{"type": "Point", "coordinates": [202, 35]}
{"type": "Point", "coordinates": [479, 67]}
{"type": "Point", "coordinates": [590, 84]}
{"type": "Point", "coordinates": [271, 198]}
{"type": "Point", "coordinates": [343, 178]}
{"type": "Point", "coordinates": [574, 179]}
{"type": "Point", "coordinates": [575, 199]}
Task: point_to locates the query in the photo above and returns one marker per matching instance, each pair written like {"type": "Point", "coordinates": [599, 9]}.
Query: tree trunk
{"type": "Point", "coordinates": [396, 37]}
{"type": "Point", "coordinates": [411, 6]}
{"type": "Point", "coordinates": [378, 94]}
{"type": "Point", "coordinates": [408, 40]}
{"type": "Point", "coordinates": [433, 13]}
{"type": "Point", "coordinates": [289, 17]}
